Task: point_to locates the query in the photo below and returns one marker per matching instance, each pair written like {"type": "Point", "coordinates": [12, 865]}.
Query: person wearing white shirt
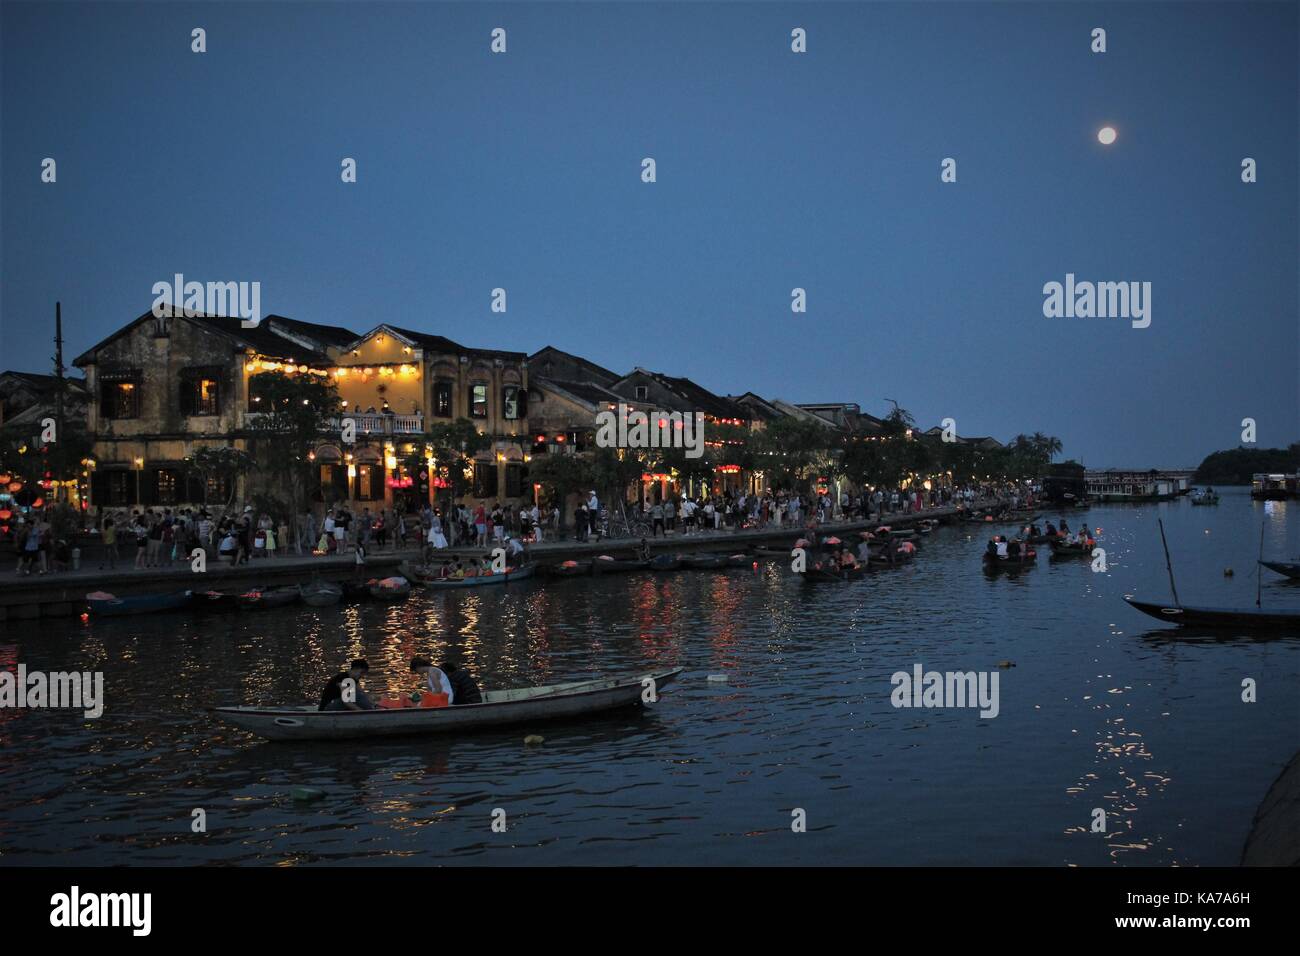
{"type": "Point", "coordinates": [436, 679]}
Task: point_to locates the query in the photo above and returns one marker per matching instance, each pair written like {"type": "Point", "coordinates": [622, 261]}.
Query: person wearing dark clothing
{"type": "Point", "coordinates": [331, 697]}
{"type": "Point", "coordinates": [465, 689]}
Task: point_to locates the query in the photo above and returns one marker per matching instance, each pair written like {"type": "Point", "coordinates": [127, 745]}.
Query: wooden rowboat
{"type": "Point", "coordinates": [1023, 560]}
{"type": "Point", "coordinates": [510, 574]}
{"type": "Point", "coordinates": [666, 562]}
{"type": "Point", "coordinates": [320, 593]}
{"type": "Point", "coordinates": [762, 551]}
{"type": "Point", "coordinates": [356, 591]}
{"type": "Point", "coordinates": [499, 707]}
{"type": "Point", "coordinates": [1290, 568]}
{"type": "Point", "coordinates": [611, 565]}
{"type": "Point", "coordinates": [1061, 550]}
{"type": "Point", "coordinates": [216, 601]}
{"type": "Point", "coordinates": [704, 562]}
{"type": "Point", "coordinates": [259, 600]}
{"type": "Point", "coordinates": [103, 604]}
{"type": "Point", "coordinates": [571, 569]}
{"type": "Point", "coordinates": [390, 589]}
{"type": "Point", "coordinates": [1232, 618]}
{"type": "Point", "coordinates": [832, 575]}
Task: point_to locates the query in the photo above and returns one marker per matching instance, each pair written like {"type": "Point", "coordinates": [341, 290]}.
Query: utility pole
{"type": "Point", "coordinates": [58, 370]}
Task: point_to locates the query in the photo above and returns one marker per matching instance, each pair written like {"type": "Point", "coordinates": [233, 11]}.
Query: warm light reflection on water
{"type": "Point", "coordinates": [1099, 710]}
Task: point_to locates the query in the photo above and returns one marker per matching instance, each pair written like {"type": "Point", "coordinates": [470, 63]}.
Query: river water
{"type": "Point", "coordinates": [1099, 711]}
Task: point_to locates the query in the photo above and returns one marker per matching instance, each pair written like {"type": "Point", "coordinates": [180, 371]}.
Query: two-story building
{"type": "Point", "coordinates": [160, 388]}
{"type": "Point", "coordinates": [395, 384]}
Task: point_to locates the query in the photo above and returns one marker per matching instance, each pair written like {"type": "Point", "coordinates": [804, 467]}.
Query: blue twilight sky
{"type": "Point", "coordinates": [775, 170]}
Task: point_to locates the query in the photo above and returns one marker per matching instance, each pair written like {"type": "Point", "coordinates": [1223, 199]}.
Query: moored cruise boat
{"type": "Point", "coordinates": [1120, 487]}
{"type": "Point", "coordinates": [1274, 487]}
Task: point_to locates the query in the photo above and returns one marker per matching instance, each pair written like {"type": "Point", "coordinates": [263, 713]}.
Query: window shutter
{"type": "Point", "coordinates": [523, 403]}
{"type": "Point", "coordinates": [99, 488]}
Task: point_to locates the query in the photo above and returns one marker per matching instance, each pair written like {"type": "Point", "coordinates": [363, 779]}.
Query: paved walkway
{"type": "Point", "coordinates": [70, 587]}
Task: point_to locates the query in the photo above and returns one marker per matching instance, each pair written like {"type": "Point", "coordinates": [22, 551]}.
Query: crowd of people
{"type": "Point", "coordinates": [163, 537]}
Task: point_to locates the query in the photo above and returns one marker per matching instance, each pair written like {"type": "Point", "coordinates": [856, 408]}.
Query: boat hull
{"type": "Point", "coordinates": [140, 604]}
{"type": "Point", "coordinates": [1237, 619]}
{"type": "Point", "coordinates": [521, 573]}
{"type": "Point", "coordinates": [1290, 568]}
{"type": "Point", "coordinates": [600, 566]}
{"type": "Point", "coordinates": [319, 596]}
{"type": "Point", "coordinates": [499, 709]}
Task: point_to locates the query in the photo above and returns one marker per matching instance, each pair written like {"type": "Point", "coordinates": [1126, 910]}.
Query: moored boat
{"type": "Point", "coordinates": [570, 569]}
{"type": "Point", "coordinates": [1239, 618]}
{"type": "Point", "coordinates": [395, 588]}
{"type": "Point", "coordinates": [1289, 568]}
{"type": "Point", "coordinates": [356, 590]}
{"type": "Point", "coordinates": [103, 604]}
{"type": "Point", "coordinates": [704, 562]}
{"type": "Point", "coordinates": [763, 551]}
{"type": "Point", "coordinates": [216, 601]}
{"type": "Point", "coordinates": [608, 564]}
{"type": "Point", "coordinates": [666, 562]}
{"type": "Point", "coordinates": [1204, 497]}
{"type": "Point", "coordinates": [499, 708]}
{"type": "Point", "coordinates": [320, 593]}
{"type": "Point", "coordinates": [263, 599]}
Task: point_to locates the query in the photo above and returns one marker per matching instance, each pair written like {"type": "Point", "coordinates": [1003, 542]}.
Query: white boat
{"type": "Point", "coordinates": [499, 707]}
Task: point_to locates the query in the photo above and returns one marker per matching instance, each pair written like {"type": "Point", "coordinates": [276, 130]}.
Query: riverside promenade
{"type": "Point", "coordinates": [63, 593]}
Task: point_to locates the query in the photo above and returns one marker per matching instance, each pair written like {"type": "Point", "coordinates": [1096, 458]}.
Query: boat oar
{"type": "Point", "coordinates": [1259, 578]}
{"type": "Point", "coordinates": [1168, 563]}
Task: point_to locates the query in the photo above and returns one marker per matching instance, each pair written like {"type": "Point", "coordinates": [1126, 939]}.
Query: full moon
{"type": "Point", "coordinates": [1106, 135]}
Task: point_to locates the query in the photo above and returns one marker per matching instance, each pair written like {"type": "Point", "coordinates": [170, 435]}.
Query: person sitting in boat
{"type": "Point", "coordinates": [992, 548]}
{"type": "Point", "coordinates": [643, 550]}
{"type": "Point", "coordinates": [1050, 530]}
{"type": "Point", "coordinates": [465, 689]}
{"type": "Point", "coordinates": [333, 696]}
{"type": "Point", "coordinates": [434, 677]}
{"type": "Point", "coordinates": [1065, 528]}
{"type": "Point", "coordinates": [1002, 547]}
{"type": "Point", "coordinates": [445, 571]}
{"type": "Point", "coordinates": [847, 561]}
{"type": "Point", "coordinates": [458, 572]}
{"type": "Point", "coordinates": [1013, 549]}
{"type": "Point", "coordinates": [864, 552]}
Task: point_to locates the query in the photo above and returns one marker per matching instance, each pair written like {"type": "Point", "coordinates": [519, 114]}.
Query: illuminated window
{"type": "Point", "coordinates": [166, 487]}
{"type": "Point", "coordinates": [478, 401]}
{"type": "Point", "coordinates": [200, 392]}
{"type": "Point", "coordinates": [510, 402]}
{"type": "Point", "coordinates": [119, 396]}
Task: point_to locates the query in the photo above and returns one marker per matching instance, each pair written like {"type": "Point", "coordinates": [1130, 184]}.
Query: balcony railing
{"type": "Point", "coordinates": [366, 423]}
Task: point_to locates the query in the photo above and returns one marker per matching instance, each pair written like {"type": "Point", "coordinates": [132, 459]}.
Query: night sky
{"type": "Point", "coordinates": [775, 170]}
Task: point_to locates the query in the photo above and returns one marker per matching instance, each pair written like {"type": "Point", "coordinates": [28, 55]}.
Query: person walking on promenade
{"type": "Point", "coordinates": [110, 544]}
{"type": "Point", "coordinates": [141, 534]}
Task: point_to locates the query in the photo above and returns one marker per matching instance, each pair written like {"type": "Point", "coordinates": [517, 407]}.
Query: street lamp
{"type": "Point", "coordinates": [139, 467]}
